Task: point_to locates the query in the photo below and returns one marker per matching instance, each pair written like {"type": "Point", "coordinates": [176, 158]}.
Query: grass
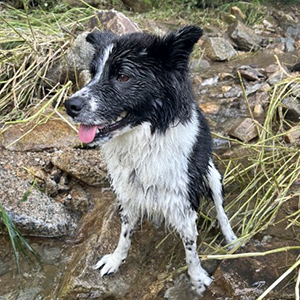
{"type": "Point", "coordinates": [19, 244]}
{"type": "Point", "coordinates": [260, 181]}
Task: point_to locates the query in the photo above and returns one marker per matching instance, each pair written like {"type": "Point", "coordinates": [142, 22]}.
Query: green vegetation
{"type": "Point", "coordinates": [19, 244]}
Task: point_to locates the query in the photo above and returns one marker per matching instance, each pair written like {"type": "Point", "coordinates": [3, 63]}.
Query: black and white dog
{"type": "Point", "coordinates": [140, 107]}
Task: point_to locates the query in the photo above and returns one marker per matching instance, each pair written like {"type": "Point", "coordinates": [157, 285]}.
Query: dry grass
{"type": "Point", "coordinates": [260, 182]}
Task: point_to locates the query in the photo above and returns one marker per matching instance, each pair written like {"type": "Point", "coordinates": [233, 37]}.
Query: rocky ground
{"type": "Point", "coordinates": [58, 194]}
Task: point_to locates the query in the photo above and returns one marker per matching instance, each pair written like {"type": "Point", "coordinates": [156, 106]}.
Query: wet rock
{"type": "Point", "coordinates": [53, 134]}
{"type": "Point", "coordinates": [218, 49]}
{"type": "Point", "coordinates": [295, 68]}
{"type": "Point", "coordinates": [113, 21]}
{"type": "Point", "coordinates": [249, 277]}
{"type": "Point", "coordinates": [244, 37]}
{"type": "Point", "coordinates": [276, 77]}
{"type": "Point", "coordinates": [262, 98]}
{"type": "Point", "coordinates": [293, 135]}
{"type": "Point", "coordinates": [32, 211]}
{"type": "Point", "coordinates": [181, 290]}
{"type": "Point", "coordinates": [250, 73]}
{"type": "Point", "coordinates": [234, 92]}
{"type": "Point", "coordinates": [244, 130]}
{"type": "Point", "coordinates": [210, 81]}
{"type": "Point", "coordinates": [292, 107]}
{"type": "Point", "coordinates": [85, 165]}
{"type": "Point", "coordinates": [289, 44]}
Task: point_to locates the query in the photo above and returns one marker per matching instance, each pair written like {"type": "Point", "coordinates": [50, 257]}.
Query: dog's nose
{"type": "Point", "coordinates": [74, 106]}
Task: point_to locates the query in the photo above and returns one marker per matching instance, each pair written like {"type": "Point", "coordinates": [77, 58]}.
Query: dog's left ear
{"type": "Point", "coordinates": [179, 45]}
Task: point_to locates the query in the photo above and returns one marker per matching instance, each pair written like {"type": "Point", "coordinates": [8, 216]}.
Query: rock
{"type": "Point", "coordinates": [210, 81]}
{"type": "Point", "coordinates": [258, 110]}
{"type": "Point", "coordinates": [276, 77]}
{"type": "Point", "coordinates": [250, 73]}
{"type": "Point", "coordinates": [272, 69]}
{"type": "Point", "coordinates": [52, 134]}
{"type": "Point", "coordinates": [181, 290]}
{"type": "Point", "coordinates": [32, 211]}
{"type": "Point", "coordinates": [295, 68]}
{"type": "Point", "coordinates": [292, 107]}
{"type": "Point", "coordinates": [244, 130]}
{"type": "Point", "coordinates": [237, 13]}
{"type": "Point", "coordinates": [244, 37]}
{"type": "Point", "coordinates": [262, 98]}
{"type": "Point", "coordinates": [234, 92]}
{"type": "Point", "coordinates": [84, 78]}
{"type": "Point", "coordinates": [85, 165]}
{"type": "Point", "coordinates": [210, 107]}
{"type": "Point", "coordinates": [224, 76]}
{"type": "Point", "coordinates": [218, 49]}
{"type": "Point", "coordinates": [80, 54]}
{"type": "Point", "coordinates": [100, 234]}
{"type": "Point", "coordinates": [226, 88]}
{"type": "Point", "coordinates": [289, 44]}
{"type": "Point", "coordinates": [293, 135]}
{"type": "Point", "coordinates": [113, 21]}
{"type": "Point", "coordinates": [247, 278]}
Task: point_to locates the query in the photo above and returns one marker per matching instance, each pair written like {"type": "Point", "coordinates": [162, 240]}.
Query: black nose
{"type": "Point", "coordinates": [74, 105]}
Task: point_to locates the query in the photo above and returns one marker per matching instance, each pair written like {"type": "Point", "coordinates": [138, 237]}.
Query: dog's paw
{"type": "Point", "coordinates": [200, 283]}
{"type": "Point", "coordinates": [199, 286]}
{"type": "Point", "coordinates": [108, 264]}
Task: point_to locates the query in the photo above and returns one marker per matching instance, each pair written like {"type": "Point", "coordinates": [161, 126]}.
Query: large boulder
{"type": "Point", "coordinates": [218, 49]}
{"type": "Point", "coordinates": [32, 211]}
{"type": "Point", "coordinates": [244, 37]}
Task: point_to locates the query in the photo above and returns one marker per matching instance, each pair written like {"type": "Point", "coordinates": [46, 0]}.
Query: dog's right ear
{"type": "Point", "coordinates": [100, 39]}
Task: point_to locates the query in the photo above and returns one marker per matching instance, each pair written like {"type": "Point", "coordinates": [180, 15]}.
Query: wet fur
{"type": "Point", "coordinates": [160, 161]}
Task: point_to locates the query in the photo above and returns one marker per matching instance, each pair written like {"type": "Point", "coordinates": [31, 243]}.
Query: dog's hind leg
{"type": "Point", "coordinates": [110, 263]}
{"type": "Point", "coordinates": [216, 188]}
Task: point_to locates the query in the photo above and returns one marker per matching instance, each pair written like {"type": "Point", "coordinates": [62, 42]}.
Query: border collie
{"type": "Point", "coordinates": [140, 108]}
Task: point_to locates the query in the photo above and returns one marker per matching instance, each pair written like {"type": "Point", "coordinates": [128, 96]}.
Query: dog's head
{"type": "Point", "coordinates": [136, 78]}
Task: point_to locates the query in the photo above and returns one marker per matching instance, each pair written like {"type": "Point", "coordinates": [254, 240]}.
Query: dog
{"type": "Point", "coordinates": [139, 107]}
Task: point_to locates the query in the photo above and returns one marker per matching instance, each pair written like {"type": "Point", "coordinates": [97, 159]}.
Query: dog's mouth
{"type": "Point", "coordinates": [89, 133]}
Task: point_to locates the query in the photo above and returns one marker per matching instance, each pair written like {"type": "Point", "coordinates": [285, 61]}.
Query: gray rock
{"type": "Point", "coordinates": [85, 165]}
{"type": "Point", "coordinates": [292, 107]}
{"type": "Point", "coordinates": [276, 77]}
{"type": "Point", "coordinates": [113, 21]}
{"type": "Point", "coordinates": [32, 211]}
{"type": "Point", "coordinates": [292, 136]}
{"type": "Point", "coordinates": [218, 49]}
{"type": "Point", "coordinates": [244, 130]}
{"type": "Point", "coordinates": [250, 73]}
{"type": "Point", "coordinates": [289, 44]}
{"type": "Point", "coordinates": [244, 37]}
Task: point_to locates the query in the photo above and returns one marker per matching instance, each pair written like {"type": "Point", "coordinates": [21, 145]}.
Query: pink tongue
{"type": "Point", "coordinates": [87, 133]}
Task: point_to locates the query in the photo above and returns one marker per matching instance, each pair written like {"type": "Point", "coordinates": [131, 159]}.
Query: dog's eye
{"type": "Point", "coordinates": [122, 78]}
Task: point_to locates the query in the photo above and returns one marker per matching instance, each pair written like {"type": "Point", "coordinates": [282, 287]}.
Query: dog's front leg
{"type": "Point", "coordinates": [110, 263]}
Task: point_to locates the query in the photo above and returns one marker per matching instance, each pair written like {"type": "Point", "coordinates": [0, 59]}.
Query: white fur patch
{"type": "Point", "coordinates": [149, 172]}
{"type": "Point", "coordinates": [101, 63]}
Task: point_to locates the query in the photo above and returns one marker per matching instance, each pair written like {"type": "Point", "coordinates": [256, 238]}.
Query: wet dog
{"type": "Point", "coordinates": [140, 108]}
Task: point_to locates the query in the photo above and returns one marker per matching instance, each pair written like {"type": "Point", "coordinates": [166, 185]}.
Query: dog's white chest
{"type": "Point", "coordinates": [149, 172]}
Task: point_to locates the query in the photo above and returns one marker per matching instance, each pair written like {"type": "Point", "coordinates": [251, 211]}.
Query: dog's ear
{"type": "Point", "coordinates": [100, 39]}
{"type": "Point", "coordinates": [178, 46]}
